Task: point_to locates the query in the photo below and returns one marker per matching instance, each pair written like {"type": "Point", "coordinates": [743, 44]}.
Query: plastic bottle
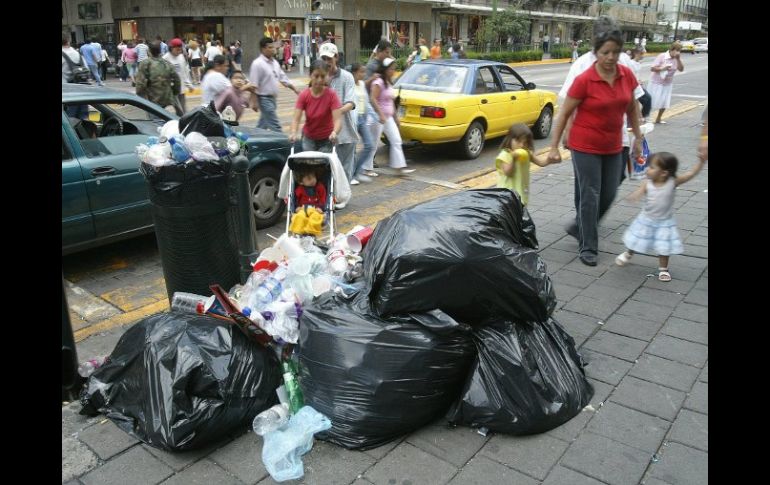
{"type": "Point", "coordinates": [271, 419]}
{"type": "Point", "coordinates": [296, 399]}
{"type": "Point", "coordinates": [270, 289]}
{"type": "Point", "coordinates": [88, 367]}
{"type": "Point", "coordinates": [179, 151]}
{"type": "Point", "coordinates": [189, 302]}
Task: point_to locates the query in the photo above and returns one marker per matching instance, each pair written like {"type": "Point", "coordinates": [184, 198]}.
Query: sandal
{"type": "Point", "coordinates": [663, 274]}
{"type": "Point", "coordinates": [623, 258]}
{"type": "Point", "coordinates": [371, 173]}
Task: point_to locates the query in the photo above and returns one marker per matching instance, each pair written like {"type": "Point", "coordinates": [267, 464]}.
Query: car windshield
{"type": "Point", "coordinates": [434, 77]}
{"type": "Point", "coordinates": [134, 113]}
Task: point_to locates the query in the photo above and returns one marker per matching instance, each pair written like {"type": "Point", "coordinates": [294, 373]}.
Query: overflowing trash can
{"type": "Point", "coordinates": [196, 232]}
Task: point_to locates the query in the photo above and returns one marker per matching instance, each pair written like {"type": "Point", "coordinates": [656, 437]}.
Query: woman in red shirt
{"type": "Point", "coordinates": [321, 106]}
{"type": "Point", "coordinates": [601, 95]}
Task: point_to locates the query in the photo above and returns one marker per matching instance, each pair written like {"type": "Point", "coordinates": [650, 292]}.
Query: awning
{"type": "Point", "coordinates": [525, 13]}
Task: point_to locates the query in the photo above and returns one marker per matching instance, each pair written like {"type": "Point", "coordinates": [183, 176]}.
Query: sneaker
{"type": "Point", "coordinates": [404, 171]}
{"type": "Point", "coordinates": [340, 205]}
{"type": "Point", "coordinates": [354, 182]}
{"type": "Point", "coordinates": [371, 173]}
{"type": "Point", "coordinates": [363, 178]}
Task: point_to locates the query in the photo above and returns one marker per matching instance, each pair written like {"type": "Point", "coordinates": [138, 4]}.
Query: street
{"type": "Point", "coordinates": [646, 342]}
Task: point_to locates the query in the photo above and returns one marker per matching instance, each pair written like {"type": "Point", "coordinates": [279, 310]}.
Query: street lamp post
{"type": "Point", "coordinates": [644, 14]}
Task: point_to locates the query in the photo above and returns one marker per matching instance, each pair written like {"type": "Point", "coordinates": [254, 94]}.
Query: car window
{"type": "Point", "coordinates": [65, 151]}
{"type": "Point", "coordinates": [510, 80]}
{"type": "Point", "coordinates": [486, 82]}
{"type": "Point", "coordinates": [433, 77]}
{"type": "Point", "coordinates": [111, 128]}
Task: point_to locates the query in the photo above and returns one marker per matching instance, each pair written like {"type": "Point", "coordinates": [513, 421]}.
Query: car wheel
{"type": "Point", "coordinates": [473, 141]}
{"type": "Point", "coordinates": [543, 124]}
{"type": "Point", "coordinates": [266, 206]}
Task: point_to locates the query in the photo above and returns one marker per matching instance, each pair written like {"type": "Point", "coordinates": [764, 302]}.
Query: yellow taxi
{"type": "Point", "coordinates": [468, 101]}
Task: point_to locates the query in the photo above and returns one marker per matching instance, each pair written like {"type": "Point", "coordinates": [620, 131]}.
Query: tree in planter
{"type": "Point", "coordinates": [501, 25]}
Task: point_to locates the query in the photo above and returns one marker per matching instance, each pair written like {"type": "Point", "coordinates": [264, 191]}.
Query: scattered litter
{"type": "Point", "coordinates": [590, 407]}
{"type": "Point", "coordinates": [483, 431]}
{"type": "Point", "coordinates": [655, 458]}
{"type": "Point", "coordinates": [600, 322]}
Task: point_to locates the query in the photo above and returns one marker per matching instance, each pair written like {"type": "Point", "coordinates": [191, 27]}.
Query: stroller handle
{"type": "Point", "coordinates": [334, 149]}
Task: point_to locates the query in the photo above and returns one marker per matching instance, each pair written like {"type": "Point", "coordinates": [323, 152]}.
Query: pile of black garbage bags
{"type": "Point", "coordinates": [452, 316]}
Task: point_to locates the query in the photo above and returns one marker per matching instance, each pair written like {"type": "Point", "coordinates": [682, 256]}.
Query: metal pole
{"type": "Point", "coordinates": [395, 43]}
{"type": "Point", "coordinates": [678, 8]}
{"type": "Point", "coordinates": [247, 244]}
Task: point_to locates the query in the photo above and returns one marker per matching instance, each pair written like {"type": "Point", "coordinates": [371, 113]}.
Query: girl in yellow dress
{"type": "Point", "coordinates": [512, 162]}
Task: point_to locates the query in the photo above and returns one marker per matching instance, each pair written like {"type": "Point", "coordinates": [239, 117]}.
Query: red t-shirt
{"type": "Point", "coordinates": [315, 196]}
{"type": "Point", "coordinates": [319, 122]}
{"type": "Point", "coordinates": [599, 119]}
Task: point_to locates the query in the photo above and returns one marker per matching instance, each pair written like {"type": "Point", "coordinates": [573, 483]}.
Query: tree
{"type": "Point", "coordinates": [501, 25]}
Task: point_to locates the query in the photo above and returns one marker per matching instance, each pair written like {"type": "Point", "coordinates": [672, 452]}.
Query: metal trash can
{"type": "Point", "coordinates": [195, 225]}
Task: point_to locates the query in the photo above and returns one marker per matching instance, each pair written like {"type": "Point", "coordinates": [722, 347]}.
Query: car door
{"type": "Point", "coordinates": [77, 223]}
{"type": "Point", "coordinates": [523, 105]}
{"type": "Point", "coordinates": [491, 100]}
{"type": "Point", "coordinates": [110, 168]}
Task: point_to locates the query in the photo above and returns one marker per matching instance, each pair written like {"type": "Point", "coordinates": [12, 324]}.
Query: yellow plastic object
{"type": "Point", "coordinates": [307, 220]}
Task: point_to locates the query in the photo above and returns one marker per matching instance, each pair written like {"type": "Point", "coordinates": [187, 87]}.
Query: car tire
{"type": "Point", "coordinates": [542, 127]}
{"type": "Point", "coordinates": [472, 143]}
{"type": "Point", "coordinates": [266, 206]}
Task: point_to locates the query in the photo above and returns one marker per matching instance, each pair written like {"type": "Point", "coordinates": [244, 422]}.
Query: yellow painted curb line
{"type": "Point", "coordinates": [122, 319]}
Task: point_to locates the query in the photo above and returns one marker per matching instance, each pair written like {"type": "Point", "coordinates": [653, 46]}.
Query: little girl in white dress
{"type": "Point", "coordinates": [654, 229]}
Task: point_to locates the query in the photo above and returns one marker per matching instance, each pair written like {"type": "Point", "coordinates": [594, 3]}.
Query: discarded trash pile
{"type": "Point", "coordinates": [446, 308]}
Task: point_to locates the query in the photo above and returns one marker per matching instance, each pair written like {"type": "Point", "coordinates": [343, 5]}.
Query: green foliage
{"type": "Point", "coordinates": [507, 56]}
{"type": "Point", "coordinates": [561, 52]}
{"type": "Point", "coordinates": [501, 25]}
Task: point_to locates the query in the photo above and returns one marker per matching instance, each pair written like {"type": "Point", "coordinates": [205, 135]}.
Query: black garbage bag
{"type": "Point", "coordinates": [471, 254]}
{"type": "Point", "coordinates": [179, 381]}
{"type": "Point", "coordinates": [204, 119]}
{"type": "Point", "coordinates": [526, 379]}
{"type": "Point", "coordinates": [376, 379]}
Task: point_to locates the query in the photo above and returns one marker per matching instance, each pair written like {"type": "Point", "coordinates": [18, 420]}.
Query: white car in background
{"type": "Point", "coordinates": [701, 44]}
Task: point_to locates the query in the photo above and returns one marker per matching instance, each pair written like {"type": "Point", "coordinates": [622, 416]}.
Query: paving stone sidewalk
{"type": "Point", "coordinates": [646, 343]}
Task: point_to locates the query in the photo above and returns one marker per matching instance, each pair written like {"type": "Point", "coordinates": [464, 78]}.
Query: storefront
{"type": "Point", "coordinates": [281, 29]}
{"type": "Point", "coordinates": [371, 33]}
{"type": "Point", "coordinates": [475, 24]}
{"type": "Point", "coordinates": [128, 30]}
{"type": "Point", "coordinates": [205, 29]}
{"type": "Point", "coordinates": [450, 28]}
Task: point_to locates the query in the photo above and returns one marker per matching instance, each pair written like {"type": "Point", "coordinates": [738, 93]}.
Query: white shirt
{"type": "Point", "coordinates": [211, 52]}
{"type": "Point", "coordinates": [65, 67]}
{"type": "Point", "coordinates": [195, 53]}
{"type": "Point", "coordinates": [180, 66]}
{"type": "Point", "coordinates": [214, 82]}
{"type": "Point", "coordinates": [584, 62]}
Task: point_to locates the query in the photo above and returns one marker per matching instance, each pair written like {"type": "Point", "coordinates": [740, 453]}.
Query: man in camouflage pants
{"type": "Point", "coordinates": [157, 80]}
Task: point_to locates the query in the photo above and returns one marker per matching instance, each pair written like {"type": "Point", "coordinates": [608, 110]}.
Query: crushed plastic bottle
{"type": "Point", "coordinates": [270, 419]}
{"type": "Point", "coordinates": [296, 399]}
{"type": "Point", "coordinates": [269, 290]}
{"type": "Point", "coordinates": [179, 151]}
{"type": "Point", "coordinates": [88, 367]}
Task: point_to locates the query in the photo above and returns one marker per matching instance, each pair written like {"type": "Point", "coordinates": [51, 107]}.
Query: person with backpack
{"type": "Point", "coordinates": [157, 80]}
{"type": "Point", "coordinates": [73, 69]}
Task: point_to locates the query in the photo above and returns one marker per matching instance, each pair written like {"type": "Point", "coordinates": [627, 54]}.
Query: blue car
{"type": "Point", "coordinates": [104, 197]}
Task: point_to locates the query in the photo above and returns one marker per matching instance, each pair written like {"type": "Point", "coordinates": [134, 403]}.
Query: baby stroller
{"type": "Point", "coordinates": [321, 164]}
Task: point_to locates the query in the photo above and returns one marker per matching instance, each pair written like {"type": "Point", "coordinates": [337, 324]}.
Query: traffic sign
{"type": "Point", "coordinates": [313, 17]}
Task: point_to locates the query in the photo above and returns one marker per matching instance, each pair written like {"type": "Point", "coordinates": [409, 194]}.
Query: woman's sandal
{"type": "Point", "coordinates": [663, 274]}
{"type": "Point", "coordinates": [623, 259]}
{"type": "Point", "coordinates": [371, 173]}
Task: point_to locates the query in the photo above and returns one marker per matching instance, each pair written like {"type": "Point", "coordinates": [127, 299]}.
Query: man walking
{"type": "Point", "coordinates": [341, 81]}
{"type": "Point", "coordinates": [176, 58]}
{"type": "Point", "coordinates": [157, 81]}
{"type": "Point", "coordinates": [381, 52]}
{"type": "Point", "coordinates": [265, 74]}
{"type": "Point", "coordinates": [92, 58]}
{"type": "Point", "coordinates": [546, 41]}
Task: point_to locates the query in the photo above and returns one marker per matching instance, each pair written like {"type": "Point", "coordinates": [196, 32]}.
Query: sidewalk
{"type": "Point", "coordinates": [646, 343]}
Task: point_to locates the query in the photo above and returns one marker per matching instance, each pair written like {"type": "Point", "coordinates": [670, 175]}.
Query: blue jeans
{"type": "Point", "coordinates": [369, 147]}
{"type": "Point", "coordinates": [309, 145]}
{"type": "Point", "coordinates": [95, 73]}
{"type": "Point", "coordinates": [268, 118]}
{"type": "Point", "coordinates": [346, 152]}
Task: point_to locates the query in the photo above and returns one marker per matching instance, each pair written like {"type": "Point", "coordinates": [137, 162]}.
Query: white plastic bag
{"type": "Point", "coordinates": [283, 448]}
{"type": "Point", "coordinates": [200, 147]}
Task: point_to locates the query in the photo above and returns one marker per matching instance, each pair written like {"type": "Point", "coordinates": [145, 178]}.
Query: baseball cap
{"type": "Point", "coordinates": [177, 42]}
{"type": "Point", "coordinates": [328, 49]}
{"type": "Point", "coordinates": [388, 61]}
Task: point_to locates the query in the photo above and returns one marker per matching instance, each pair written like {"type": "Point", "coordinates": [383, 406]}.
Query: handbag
{"type": "Point", "coordinates": [78, 73]}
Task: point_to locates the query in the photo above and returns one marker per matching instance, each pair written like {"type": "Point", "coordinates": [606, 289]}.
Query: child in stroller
{"type": "Point", "coordinates": [311, 199]}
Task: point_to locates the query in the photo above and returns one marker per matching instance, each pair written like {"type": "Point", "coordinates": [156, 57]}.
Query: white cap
{"type": "Point", "coordinates": [328, 49]}
{"type": "Point", "coordinates": [387, 61]}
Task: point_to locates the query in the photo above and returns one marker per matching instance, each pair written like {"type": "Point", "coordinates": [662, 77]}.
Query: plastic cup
{"type": "Point", "coordinates": [271, 254]}
{"type": "Point", "coordinates": [357, 240]}
{"type": "Point", "coordinates": [289, 246]}
{"type": "Point", "coordinates": [321, 285]}
{"type": "Point", "coordinates": [299, 266]}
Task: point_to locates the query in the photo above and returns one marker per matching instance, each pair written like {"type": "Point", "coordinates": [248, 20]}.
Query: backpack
{"type": "Point", "coordinates": [78, 73]}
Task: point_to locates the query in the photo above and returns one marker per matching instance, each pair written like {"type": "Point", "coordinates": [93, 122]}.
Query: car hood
{"type": "Point", "coordinates": [263, 139]}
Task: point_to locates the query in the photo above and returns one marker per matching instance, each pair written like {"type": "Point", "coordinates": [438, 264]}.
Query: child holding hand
{"type": "Point", "coordinates": [512, 163]}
